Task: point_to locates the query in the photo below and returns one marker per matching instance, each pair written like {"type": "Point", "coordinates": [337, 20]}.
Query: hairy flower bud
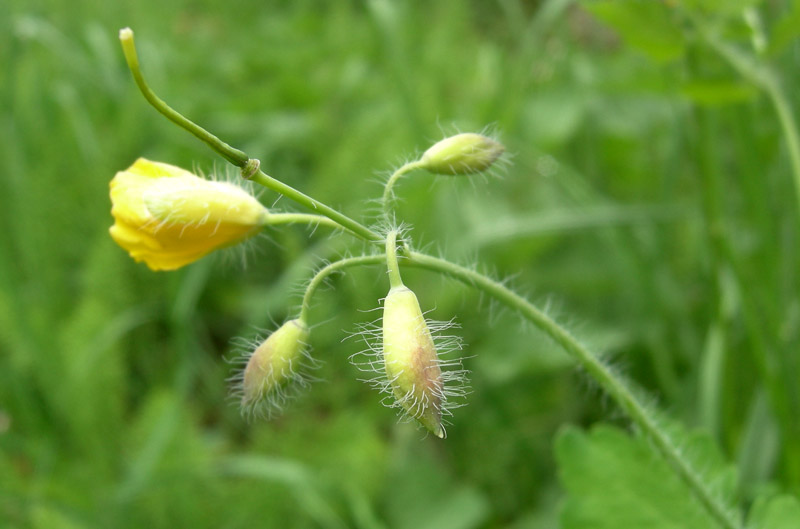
{"type": "Point", "coordinates": [168, 217]}
{"type": "Point", "coordinates": [462, 154]}
{"type": "Point", "coordinates": [273, 366]}
{"type": "Point", "coordinates": [410, 359]}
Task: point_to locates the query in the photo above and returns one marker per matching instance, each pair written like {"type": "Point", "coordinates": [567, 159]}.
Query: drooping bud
{"type": "Point", "coordinates": [410, 360]}
{"type": "Point", "coordinates": [462, 154]}
{"type": "Point", "coordinates": [169, 217]}
{"type": "Point", "coordinates": [273, 367]}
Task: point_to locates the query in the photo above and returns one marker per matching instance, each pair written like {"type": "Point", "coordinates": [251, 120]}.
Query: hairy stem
{"type": "Point", "coordinates": [336, 266]}
{"type": "Point", "coordinates": [391, 260]}
{"type": "Point", "coordinates": [387, 190]}
{"type": "Point", "coordinates": [600, 372]}
{"type": "Point", "coordinates": [611, 382]}
{"type": "Point", "coordinates": [354, 227]}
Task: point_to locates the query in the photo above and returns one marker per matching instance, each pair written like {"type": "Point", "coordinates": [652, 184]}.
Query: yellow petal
{"type": "Point", "coordinates": [169, 217]}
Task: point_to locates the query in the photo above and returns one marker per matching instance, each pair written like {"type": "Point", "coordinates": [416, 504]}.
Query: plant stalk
{"type": "Point", "coordinates": [331, 268]}
{"type": "Point", "coordinates": [611, 382]}
{"type": "Point", "coordinates": [233, 155]}
{"type": "Point", "coordinates": [387, 189]}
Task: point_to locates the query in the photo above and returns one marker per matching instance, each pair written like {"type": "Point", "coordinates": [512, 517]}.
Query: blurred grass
{"type": "Point", "coordinates": [650, 202]}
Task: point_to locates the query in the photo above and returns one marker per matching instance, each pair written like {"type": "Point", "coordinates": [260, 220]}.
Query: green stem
{"type": "Point", "coordinates": [234, 156]}
{"type": "Point", "coordinates": [275, 219]}
{"type": "Point", "coordinates": [387, 190]}
{"type": "Point", "coordinates": [604, 376]}
{"type": "Point", "coordinates": [328, 270]}
{"type": "Point", "coordinates": [612, 383]}
{"type": "Point", "coordinates": [354, 227]}
{"type": "Point", "coordinates": [395, 280]}
{"type": "Point", "coordinates": [599, 371]}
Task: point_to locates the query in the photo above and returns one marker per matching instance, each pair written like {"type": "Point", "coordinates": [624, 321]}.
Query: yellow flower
{"type": "Point", "coordinates": [168, 217]}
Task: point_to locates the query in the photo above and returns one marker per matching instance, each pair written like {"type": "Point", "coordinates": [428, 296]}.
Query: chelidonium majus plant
{"type": "Point", "coordinates": [168, 218]}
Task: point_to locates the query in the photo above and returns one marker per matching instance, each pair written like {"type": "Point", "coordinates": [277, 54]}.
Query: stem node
{"type": "Point", "coordinates": [250, 168]}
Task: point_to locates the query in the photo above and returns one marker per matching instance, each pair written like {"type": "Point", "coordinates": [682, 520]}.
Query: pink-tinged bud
{"type": "Point", "coordinates": [409, 356]}
{"type": "Point", "coordinates": [273, 368]}
{"type": "Point", "coordinates": [462, 154]}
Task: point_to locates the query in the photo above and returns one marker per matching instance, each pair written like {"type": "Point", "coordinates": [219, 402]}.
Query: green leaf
{"type": "Point", "coordinates": [778, 512]}
{"type": "Point", "coordinates": [646, 25]}
{"type": "Point", "coordinates": [614, 480]}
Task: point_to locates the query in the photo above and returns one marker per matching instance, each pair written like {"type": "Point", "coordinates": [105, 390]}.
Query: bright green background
{"type": "Point", "coordinates": [650, 206]}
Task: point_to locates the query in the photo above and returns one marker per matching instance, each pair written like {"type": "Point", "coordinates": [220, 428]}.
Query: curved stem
{"type": "Point", "coordinates": [607, 379]}
{"type": "Point", "coordinates": [387, 190]}
{"type": "Point", "coordinates": [391, 260]}
{"type": "Point", "coordinates": [235, 156]}
{"type": "Point", "coordinates": [612, 383]}
{"type": "Point", "coordinates": [320, 276]}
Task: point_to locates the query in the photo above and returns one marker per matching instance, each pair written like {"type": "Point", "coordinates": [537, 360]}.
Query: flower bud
{"type": "Point", "coordinates": [410, 359]}
{"type": "Point", "coordinates": [168, 217]}
{"type": "Point", "coordinates": [273, 366]}
{"type": "Point", "coordinates": [462, 154]}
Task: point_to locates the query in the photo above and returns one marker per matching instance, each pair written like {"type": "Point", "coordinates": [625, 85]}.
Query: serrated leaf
{"type": "Point", "coordinates": [778, 512]}
{"type": "Point", "coordinates": [614, 480]}
{"type": "Point", "coordinates": [646, 25]}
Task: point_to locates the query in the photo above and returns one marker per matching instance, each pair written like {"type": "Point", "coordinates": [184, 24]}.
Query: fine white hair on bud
{"type": "Point", "coordinates": [273, 370]}
{"type": "Point", "coordinates": [462, 154]}
{"type": "Point", "coordinates": [411, 362]}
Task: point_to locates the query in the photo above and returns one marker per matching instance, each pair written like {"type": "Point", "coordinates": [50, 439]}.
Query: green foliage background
{"type": "Point", "coordinates": [650, 205]}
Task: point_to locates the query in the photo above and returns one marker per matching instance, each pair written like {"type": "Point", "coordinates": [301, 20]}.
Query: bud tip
{"type": "Point", "coordinates": [465, 153]}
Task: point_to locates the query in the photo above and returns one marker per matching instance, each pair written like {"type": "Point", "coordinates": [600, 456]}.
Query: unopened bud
{"type": "Point", "coordinates": [410, 359]}
{"type": "Point", "coordinates": [273, 366]}
{"type": "Point", "coordinates": [462, 154]}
